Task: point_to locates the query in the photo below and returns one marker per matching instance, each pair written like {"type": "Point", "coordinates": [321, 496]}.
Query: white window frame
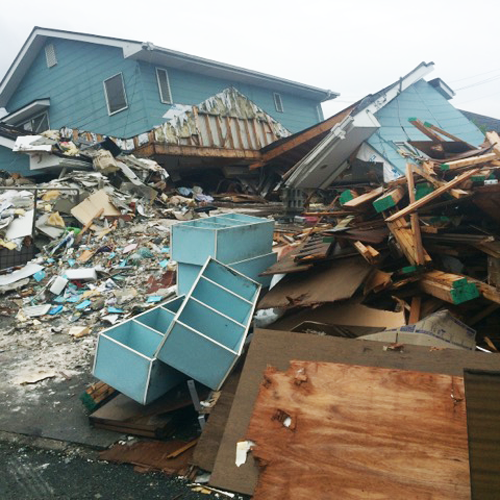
{"type": "Point", "coordinates": [21, 125]}
{"type": "Point", "coordinates": [278, 102]}
{"type": "Point", "coordinates": [162, 99]}
{"type": "Point", "coordinates": [124, 94]}
{"type": "Point", "coordinates": [47, 48]}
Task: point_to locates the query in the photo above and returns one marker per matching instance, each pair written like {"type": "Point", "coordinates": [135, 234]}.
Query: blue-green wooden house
{"type": "Point", "coordinates": [123, 88]}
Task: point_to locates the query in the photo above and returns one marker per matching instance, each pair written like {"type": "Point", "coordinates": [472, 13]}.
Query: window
{"type": "Point", "coordinates": [38, 124]}
{"type": "Point", "coordinates": [164, 86]}
{"type": "Point", "coordinates": [50, 55]}
{"type": "Point", "coordinates": [278, 103]}
{"type": "Point", "coordinates": [114, 90]}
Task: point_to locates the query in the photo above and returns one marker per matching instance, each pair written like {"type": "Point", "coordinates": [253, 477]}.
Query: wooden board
{"type": "Point", "coordinates": [336, 281]}
{"type": "Point", "coordinates": [152, 455]}
{"type": "Point", "coordinates": [157, 419]}
{"type": "Point", "coordinates": [482, 390]}
{"type": "Point", "coordinates": [326, 430]}
{"type": "Point", "coordinates": [206, 450]}
{"type": "Point", "coordinates": [270, 347]}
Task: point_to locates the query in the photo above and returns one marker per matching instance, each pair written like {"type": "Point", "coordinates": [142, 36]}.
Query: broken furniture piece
{"type": "Point", "coordinates": [125, 357]}
{"type": "Point", "coordinates": [207, 335]}
{"type": "Point", "coordinates": [240, 241]}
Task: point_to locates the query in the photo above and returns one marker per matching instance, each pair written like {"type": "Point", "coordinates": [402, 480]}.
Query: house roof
{"type": "Point", "coordinates": [149, 52]}
{"type": "Point", "coordinates": [485, 123]}
{"type": "Point", "coordinates": [344, 131]}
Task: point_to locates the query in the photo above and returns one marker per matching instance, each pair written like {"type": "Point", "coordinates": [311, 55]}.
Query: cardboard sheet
{"type": "Point", "coordinates": [440, 329]}
{"type": "Point", "coordinates": [277, 348]}
{"type": "Point", "coordinates": [343, 314]}
{"type": "Point", "coordinates": [335, 281]}
{"type": "Point", "coordinates": [85, 211]}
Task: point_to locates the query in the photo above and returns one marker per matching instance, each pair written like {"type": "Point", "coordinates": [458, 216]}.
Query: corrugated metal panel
{"type": "Point", "coordinates": [482, 394]}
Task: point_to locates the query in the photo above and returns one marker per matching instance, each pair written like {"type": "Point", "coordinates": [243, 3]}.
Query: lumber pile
{"type": "Point", "coordinates": [430, 237]}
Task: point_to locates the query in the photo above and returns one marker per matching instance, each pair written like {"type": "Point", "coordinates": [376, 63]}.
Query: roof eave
{"type": "Point", "coordinates": [235, 73]}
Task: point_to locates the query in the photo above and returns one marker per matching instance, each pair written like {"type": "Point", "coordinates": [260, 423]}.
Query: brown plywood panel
{"type": "Point", "coordinates": [206, 450]}
{"type": "Point", "coordinates": [277, 348]}
{"type": "Point", "coordinates": [325, 430]}
{"type": "Point", "coordinates": [482, 390]}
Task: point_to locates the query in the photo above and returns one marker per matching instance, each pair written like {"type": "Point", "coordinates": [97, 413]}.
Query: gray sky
{"type": "Point", "coordinates": [353, 47]}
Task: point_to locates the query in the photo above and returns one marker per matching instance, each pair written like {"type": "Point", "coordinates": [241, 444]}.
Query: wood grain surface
{"type": "Point", "coordinates": [326, 431]}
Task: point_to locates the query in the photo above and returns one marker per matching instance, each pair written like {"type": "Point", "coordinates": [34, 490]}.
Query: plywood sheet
{"type": "Point", "coordinates": [339, 280]}
{"type": "Point", "coordinates": [151, 455]}
{"type": "Point", "coordinates": [206, 450]}
{"type": "Point", "coordinates": [326, 430]}
{"type": "Point", "coordinates": [482, 390]}
{"type": "Point", "coordinates": [277, 348]}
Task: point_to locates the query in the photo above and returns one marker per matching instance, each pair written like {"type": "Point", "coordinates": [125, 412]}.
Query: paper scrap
{"type": "Point", "coordinates": [242, 449]}
{"type": "Point", "coordinates": [20, 227]}
{"type": "Point", "coordinates": [34, 311]}
{"type": "Point", "coordinates": [25, 272]}
{"type": "Point", "coordinates": [79, 331]}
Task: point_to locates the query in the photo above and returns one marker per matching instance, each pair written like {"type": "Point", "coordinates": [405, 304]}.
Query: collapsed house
{"type": "Point", "coordinates": [327, 339]}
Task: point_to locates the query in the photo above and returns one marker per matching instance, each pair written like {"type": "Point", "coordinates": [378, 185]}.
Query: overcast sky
{"type": "Point", "coordinates": [353, 47]}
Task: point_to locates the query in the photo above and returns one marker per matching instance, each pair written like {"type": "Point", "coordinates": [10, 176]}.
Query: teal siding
{"type": "Point", "coordinates": [421, 101]}
{"type": "Point", "coordinates": [14, 163]}
{"type": "Point", "coordinates": [190, 88]}
{"type": "Point", "coordinates": [76, 91]}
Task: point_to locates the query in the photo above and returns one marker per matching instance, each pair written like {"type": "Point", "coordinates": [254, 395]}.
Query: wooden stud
{"type": "Point", "coordinates": [364, 198]}
{"type": "Point", "coordinates": [368, 253]}
{"type": "Point", "coordinates": [229, 132]}
{"type": "Point", "coordinates": [209, 131]}
{"type": "Point", "coordinates": [456, 193]}
{"type": "Point", "coordinates": [416, 306]}
{"type": "Point", "coordinates": [415, 224]}
{"type": "Point", "coordinates": [249, 136]}
{"type": "Point", "coordinates": [422, 128]}
{"type": "Point", "coordinates": [237, 123]}
{"type": "Point", "coordinates": [447, 134]}
{"type": "Point", "coordinates": [257, 138]}
{"type": "Point", "coordinates": [431, 196]}
{"type": "Point", "coordinates": [222, 140]}
{"type": "Point", "coordinates": [468, 162]}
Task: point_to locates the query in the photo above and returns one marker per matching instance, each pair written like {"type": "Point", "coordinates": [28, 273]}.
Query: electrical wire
{"type": "Point", "coordinates": [482, 82]}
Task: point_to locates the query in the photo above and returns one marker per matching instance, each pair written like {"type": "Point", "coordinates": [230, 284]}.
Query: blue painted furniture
{"type": "Point", "coordinates": [187, 273]}
{"type": "Point", "coordinates": [207, 335]}
{"type": "Point", "coordinates": [227, 238]}
{"type": "Point", "coordinates": [240, 241]}
{"type": "Point", "coordinates": [125, 358]}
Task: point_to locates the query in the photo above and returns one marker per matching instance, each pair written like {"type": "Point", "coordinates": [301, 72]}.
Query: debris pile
{"type": "Point", "coordinates": [374, 305]}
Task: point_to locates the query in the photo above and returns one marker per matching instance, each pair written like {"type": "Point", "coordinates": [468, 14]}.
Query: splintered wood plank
{"type": "Point", "coordinates": [431, 196]}
{"type": "Point", "coordinates": [325, 430]}
{"type": "Point", "coordinates": [362, 200]}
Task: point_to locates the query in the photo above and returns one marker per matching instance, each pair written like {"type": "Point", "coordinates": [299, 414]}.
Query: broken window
{"type": "Point", "coordinates": [278, 103]}
{"type": "Point", "coordinates": [37, 124]}
{"type": "Point", "coordinates": [114, 90]}
{"type": "Point", "coordinates": [164, 86]}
